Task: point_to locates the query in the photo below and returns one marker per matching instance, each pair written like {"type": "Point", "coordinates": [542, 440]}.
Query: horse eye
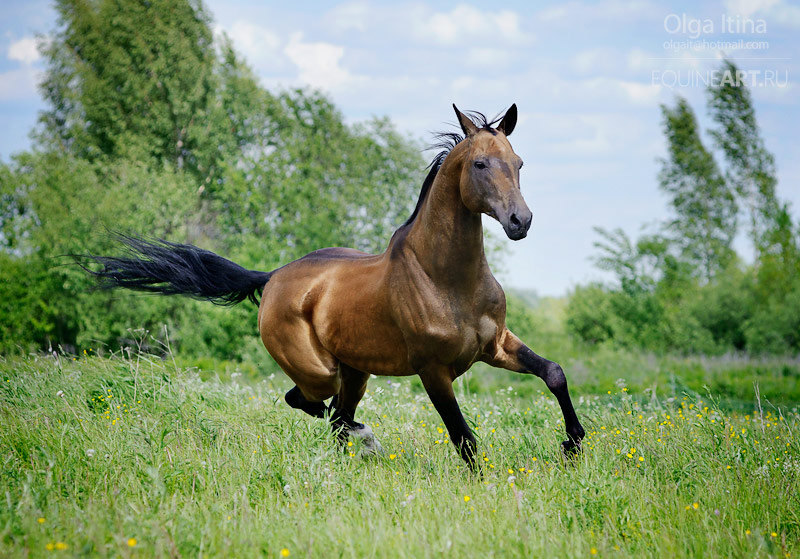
{"type": "Point", "coordinates": [480, 165]}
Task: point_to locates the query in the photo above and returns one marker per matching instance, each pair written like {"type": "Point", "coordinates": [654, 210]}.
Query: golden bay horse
{"type": "Point", "coordinates": [427, 306]}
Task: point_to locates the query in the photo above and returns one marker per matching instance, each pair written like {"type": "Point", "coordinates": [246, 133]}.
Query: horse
{"type": "Point", "coordinates": [428, 305]}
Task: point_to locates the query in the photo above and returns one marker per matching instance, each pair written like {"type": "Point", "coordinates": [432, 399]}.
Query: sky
{"type": "Point", "coordinates": [588, 78]}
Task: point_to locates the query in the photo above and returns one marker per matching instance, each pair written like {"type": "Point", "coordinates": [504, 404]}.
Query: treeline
{"type": "Point", "coordinates": [154, 127]}
{"type": "Point", "coordinates": [683, 287]}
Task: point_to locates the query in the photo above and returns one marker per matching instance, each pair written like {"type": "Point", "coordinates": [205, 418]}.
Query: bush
{"type": "Point", "coordinates": [29, 306]}
{"type": "Point", "coordinates": [590, 314]}
{"type": "Point", "coordinates": [722, 307]}
{"type": "Point", "coordinates": [775, 328]}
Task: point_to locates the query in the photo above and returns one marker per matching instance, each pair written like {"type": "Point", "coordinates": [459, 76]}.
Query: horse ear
{"type": "Point", "coordinates": [466, 123]}
{"type": "Point", "coordinates": [509, 121]}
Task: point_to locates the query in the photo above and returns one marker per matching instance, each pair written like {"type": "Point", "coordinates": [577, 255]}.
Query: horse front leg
{"type": "Point", "coordinates": [514, 355]}
{"type": "Point", "coordinates": [343, 409]}
{"type": "Point", "coordinates": [438, 383]}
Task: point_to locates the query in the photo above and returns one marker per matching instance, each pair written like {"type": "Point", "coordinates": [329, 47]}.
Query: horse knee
{"type": "Point", "coordinates": [296, 400]}
{"type": "Point", "coordinates": [555, 378]}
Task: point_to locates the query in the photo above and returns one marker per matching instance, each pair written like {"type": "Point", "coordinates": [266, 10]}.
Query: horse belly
{"type": "Point", "coordinates": [364, 343]}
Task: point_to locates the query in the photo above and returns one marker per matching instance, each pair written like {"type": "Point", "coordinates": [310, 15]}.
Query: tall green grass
{"type": "Point", "coordinates": [143, 457]}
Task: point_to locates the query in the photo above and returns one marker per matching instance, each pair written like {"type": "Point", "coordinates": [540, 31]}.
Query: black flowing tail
{"type": "Point", "coordinates": [167, 268]}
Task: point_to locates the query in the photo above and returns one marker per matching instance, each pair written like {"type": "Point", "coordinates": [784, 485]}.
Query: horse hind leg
{"type": "Point", "coordinates": [313, 369]}
{"type": "Point", "coordinates": [318, 375]}
{"type": "Point", "coordinates": [296, 400]}
{"type": "Point", "coordinates": [344, 404]}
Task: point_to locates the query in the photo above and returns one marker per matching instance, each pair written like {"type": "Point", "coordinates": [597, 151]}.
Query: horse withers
{"type": "Point", "coordinates": [428, 305]}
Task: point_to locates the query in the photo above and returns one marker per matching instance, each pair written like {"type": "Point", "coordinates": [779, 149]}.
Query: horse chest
{"type": "Point", "coordinates": [445, 322]}
{"type": "Point", "coordinates": [449, 334]}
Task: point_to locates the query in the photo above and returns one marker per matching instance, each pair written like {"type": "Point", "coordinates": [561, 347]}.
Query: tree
{"type": "Point", "coordinates": [751, 168]}
{"type": "Point", "coordinates": [751, 172]}
{"type": "Point", "coordinates": [704, 222]}
{"type": "Point", "coordinates": [316, 171]}
{"type": "Point", "coordinates": [154, 129]}
{"type": "Point", "coordinates": [133, 80]}
{"type": "Point", "coordinates": [684, 287]}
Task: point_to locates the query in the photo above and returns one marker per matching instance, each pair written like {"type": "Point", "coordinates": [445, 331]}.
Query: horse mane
{"type": "Point", "coordinates": [445, 142]}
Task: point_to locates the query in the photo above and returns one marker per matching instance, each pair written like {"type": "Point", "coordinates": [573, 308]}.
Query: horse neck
{"type": "Point", "coordinates": [446, 237]}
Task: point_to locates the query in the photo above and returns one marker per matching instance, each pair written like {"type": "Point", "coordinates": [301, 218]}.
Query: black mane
{"type": "Point", "coordinates": [445, 142]}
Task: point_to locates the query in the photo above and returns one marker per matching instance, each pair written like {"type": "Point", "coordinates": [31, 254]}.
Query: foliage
{"type": "Point", "coordinates": [704, 223]}
{"type": "Point", "coordinates": [589, 314]}
{"type": "Point", "coordinates": [154, 128]}
{"type": "Point", "coordinates": [29, 295]}
{"type": "Point", "coordinates": [683, 288]}
{"type": "Point", "coordinates": [223, 467]}
{"type": "Point", "coordinates": [134, 81]}
{"type": "Point", "coordinates": [751, 168]}
{"type": "Point", "coordinates": [351, 190]}
{"type": "Point", "coordinates": [775, 327]}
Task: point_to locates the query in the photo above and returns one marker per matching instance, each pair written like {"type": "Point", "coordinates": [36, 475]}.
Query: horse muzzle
{"type": "Point", "coordinates": [517, 223]}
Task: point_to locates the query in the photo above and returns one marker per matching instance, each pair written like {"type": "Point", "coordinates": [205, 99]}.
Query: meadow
{"type": "Point", "coordinates": [142, 456]}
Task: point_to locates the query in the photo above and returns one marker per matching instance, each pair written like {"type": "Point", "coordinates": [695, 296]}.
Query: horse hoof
{"type": "Point", "coordinates": [570, 449]}
{"type": "Point", "coordinates": [370, 446]}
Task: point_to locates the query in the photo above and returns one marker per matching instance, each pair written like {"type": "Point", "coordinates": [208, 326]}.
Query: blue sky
{"type": "Point", "coordinates": [588, 78]}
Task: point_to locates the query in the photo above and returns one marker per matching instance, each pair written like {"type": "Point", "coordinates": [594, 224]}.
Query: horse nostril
{"type": "Point", "coordinates": [514, 220]}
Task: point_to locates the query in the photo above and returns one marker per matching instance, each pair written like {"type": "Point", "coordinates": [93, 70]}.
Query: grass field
{"type": "Point", "coordinates": [142, 457]}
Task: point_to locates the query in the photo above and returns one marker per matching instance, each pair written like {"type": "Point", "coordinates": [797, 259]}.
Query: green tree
{"type": "Point", "coordinates": [750, 167]}
{"type": "Point", "coordinates": [318, 182]}
{"type": "Point", "coordinates": [684, 288]}
{"type": "Point", "coordinates": [154, 129]}
{"type": "Point", "coordinates": [137, 80]}
{"type": "Point", "coordinates": [704, 207]}
{"type": "Point", "coordinates": [751, 171]}
{"type": "Point", "coordinates": [589, 314]}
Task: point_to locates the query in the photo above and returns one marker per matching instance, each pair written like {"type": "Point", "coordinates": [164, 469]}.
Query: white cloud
{"type": "Point", "coordinates": [19, 84]}
{"type": "Point", "coordinates": [786, 15]}
{"type": "Point", "coordinates": [489, 57]}
{"type": "Point", "coordinates": [639, 93]}
{"type": "Point", "coordinates": [777, 12]}
{"type": "Point", "coordinates": [466, 23]}
{"type": "Point", "coordinates": [25, 50]}
{"type": "Point", "coordinates": [747, 8]}
{"type": "Point", "coordinates": [559, 138]}
{"type": "Point", "coordinates": [598, 60]}
{"type": "Point", "coordinates": [318, 63]}
{"type": "Point", "coordinates": [350, 15]}
{"type": "Point", "coordinates": [616, 11]}
{"type": "Point", "coordinates": [260, 46]}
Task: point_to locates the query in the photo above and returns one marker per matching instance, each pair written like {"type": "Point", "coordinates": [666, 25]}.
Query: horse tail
{"type": "Point", "coordinates": [159, 266]}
